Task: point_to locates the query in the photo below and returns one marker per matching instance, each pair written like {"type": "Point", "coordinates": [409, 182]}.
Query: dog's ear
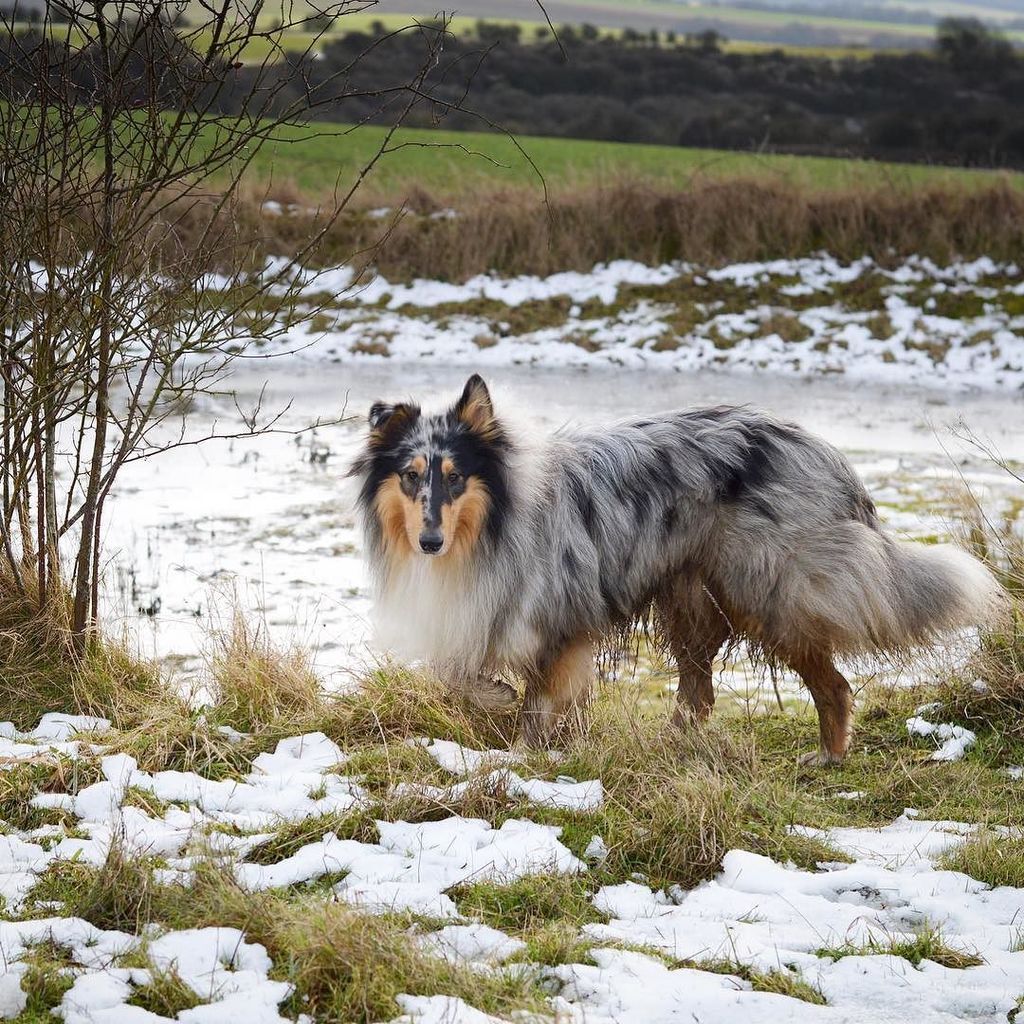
{"type": "Point", "coordinates": [386, 419]}
{"type": "Point", "coordinates": [474, 408]}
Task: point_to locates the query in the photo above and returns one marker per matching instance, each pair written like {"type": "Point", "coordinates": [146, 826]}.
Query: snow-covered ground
{"type": "Point", "coordinates": [880, 360]}
{"type": "Point", "coordinates": [756, 913]}
{"type": "Point", "coordinates": [956, 326]}
{"type": "Point", "coordinates": [267, 524]}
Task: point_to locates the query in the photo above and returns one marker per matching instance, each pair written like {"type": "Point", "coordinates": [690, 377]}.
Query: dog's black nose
{"type": "Point", "coordinates": [431, 541]}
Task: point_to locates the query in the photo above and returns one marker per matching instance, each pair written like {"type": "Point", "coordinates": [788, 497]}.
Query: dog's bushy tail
{"type": "Point", "coordinates": [856, 590]}
{"type": "Point", "coordinates": [938, 588]}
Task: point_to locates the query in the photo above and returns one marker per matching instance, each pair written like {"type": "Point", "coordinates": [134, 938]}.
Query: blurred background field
{"type": "Point", "coordinates": [451, 162]}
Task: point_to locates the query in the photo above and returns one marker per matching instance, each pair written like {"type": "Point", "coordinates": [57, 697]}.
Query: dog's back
{"type": "Point", "coordinates": [773, 520]}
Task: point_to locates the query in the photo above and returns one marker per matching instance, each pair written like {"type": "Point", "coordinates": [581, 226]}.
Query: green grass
{"type": "Point", "coordinates": [166, 994]}
{"type": "Point", "coordinates": [45, 981]}
{"type": "Point", "coordinates": [927, 944]}
{"type": "Point", "coordinates": [433, 159]}
{"type": "Point", "coordinates": [779, 982]}
{"type": "Point", "coordinates": [20, 782]}
{"type": "Point", "coordinates": [889, 769]}
{"type": "Point", "coordinates": [288, 839]}
{"type": "Point", "coordinates": [530, 902]}
{"type": "Point", "coordinates": [989, 857]}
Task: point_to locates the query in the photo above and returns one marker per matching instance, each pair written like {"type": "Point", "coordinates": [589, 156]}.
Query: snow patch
{"type": "Point", "coordinates": [955, 740]}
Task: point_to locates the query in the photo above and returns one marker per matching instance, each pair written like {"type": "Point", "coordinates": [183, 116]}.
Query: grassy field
{"type": "Point", "coordinates": [435, 159]}
{"type": "Point", "coordinates": [646, 11]}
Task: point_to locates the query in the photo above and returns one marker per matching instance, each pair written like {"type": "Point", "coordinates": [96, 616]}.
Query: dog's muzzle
{"type": "Point", "coordinates": [431, 541]}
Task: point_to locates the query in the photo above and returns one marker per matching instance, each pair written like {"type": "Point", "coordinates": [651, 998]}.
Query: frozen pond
{"type": "Point", "coordinates": [266, 523]}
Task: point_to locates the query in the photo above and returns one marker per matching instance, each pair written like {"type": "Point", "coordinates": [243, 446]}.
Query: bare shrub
{"type": "Point", "coordinates": [114, 121]}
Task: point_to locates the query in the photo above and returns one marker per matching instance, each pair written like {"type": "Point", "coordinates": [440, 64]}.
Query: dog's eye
{"type": "Point", "coordinates": [411, 476]}
{"type": "Point", "coordinates": [454, 478]}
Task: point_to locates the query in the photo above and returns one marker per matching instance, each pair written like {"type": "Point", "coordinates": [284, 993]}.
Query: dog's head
{"type": "Point", "coordinates": [433, 485]}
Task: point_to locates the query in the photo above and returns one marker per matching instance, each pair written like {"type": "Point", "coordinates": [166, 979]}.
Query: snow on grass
{"type": "Point", "coordinates": [51, 736]}
{"type": "Point", "coordinates": [769, 916]}
{"type": "Point", "coordinates": [460, 760]}
{"type": "Point", "coordinates": [954, 740]}
{"type": "Point", "coordinates": [476, 942]}
{"type": "Point", "coordinates": [887, 934]}
{"type": "Point", "coordinates": [441, 1010]}
{"type": "Point", "coordinates": [602, 283]}
{"type": "Point", "coordinates": [939, 326]}
{"type": "Point", "coordinates": [227, 975]}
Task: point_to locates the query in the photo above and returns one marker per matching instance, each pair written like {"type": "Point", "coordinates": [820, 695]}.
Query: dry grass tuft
{"type": "Point", "coordinates": [394, 704]}
{"type": "Point", "coordinates": [254, 684]}
{"type": "Point", "coordinates": [41, 670]}
{"type": "Point", "coordinates": [165, 995]}
{"type": "Point", "coordinates": [988, 857]}
{"type": "Point", "coordinates": [119, 894]}
{"type": "Point", "coordinates": [989, 696]}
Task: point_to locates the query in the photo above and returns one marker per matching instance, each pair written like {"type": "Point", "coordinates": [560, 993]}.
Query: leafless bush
{"type": "Point", "coordinates": [112, 125]}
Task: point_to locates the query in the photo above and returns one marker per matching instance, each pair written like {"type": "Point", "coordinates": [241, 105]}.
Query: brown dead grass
{"type": "Point", "coordinates": [512, 231]}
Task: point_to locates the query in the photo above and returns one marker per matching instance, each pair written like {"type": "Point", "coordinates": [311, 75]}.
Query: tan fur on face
{"type": "Point", "coordinates": [463, 520]}
{"type": "Point", "coordinates": [401, 518]}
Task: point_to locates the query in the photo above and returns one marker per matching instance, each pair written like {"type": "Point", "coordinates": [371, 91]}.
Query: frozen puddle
{"type": "Point", "coordinates": [266, 524]}
{"type": "Point", "coordinates": [829, 929]}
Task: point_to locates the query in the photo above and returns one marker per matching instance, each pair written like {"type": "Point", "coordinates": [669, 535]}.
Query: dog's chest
{"type": "Point", "coordinates": [434, 616]}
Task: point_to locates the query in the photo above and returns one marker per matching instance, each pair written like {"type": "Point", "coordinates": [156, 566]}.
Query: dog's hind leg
{"type": "Point", "coordinates": [695, 628]}
{"type": "Point", "coordinates": [555, 688]}
{"type": "Point", "coordinates": [833, 700]}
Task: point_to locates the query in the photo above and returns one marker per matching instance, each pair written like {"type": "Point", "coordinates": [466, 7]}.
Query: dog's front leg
{"type": "Point", "coordinates": [554, 688]}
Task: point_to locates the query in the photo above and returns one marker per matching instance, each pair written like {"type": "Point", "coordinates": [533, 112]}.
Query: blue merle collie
{"type": "Point", "coordinates": [492, 554]}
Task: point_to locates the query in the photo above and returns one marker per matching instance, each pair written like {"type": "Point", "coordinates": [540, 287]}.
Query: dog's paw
{"type": "Point", "coordinates": [491, 694]}
{"type": "Point", "coordinates": [818, 759]}
{"type": "Point", "coordinates": [538, 720]}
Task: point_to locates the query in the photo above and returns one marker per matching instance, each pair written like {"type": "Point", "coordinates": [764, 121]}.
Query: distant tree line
{"type": "Point", "coordinates": [961, 104]}
{"type": "Point", "coordinates": [851, 10]}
